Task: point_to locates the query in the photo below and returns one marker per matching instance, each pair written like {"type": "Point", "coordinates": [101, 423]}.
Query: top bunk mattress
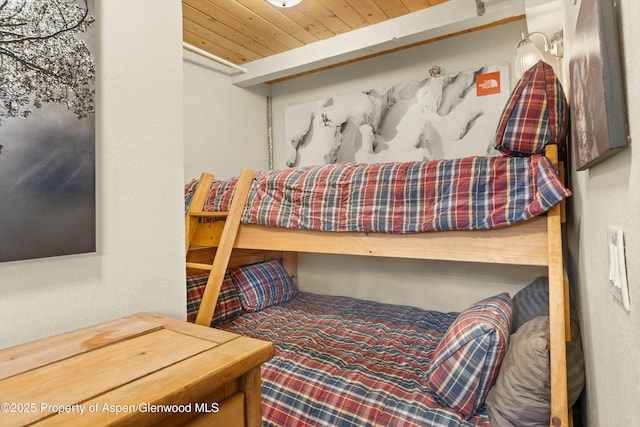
{"type": "Point", "coordinates": [471, 193]}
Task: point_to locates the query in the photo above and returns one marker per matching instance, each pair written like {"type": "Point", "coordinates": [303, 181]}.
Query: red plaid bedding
{"type": "Point", "coordinates": [346, 362]}
{"type": "Point", "coordinates": [460, 194]}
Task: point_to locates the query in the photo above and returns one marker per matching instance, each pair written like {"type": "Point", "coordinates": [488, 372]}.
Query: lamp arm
{"type": "Point", "coordinates": [555, 46]}
{"type": "Point", "coordinates": [547, 46]}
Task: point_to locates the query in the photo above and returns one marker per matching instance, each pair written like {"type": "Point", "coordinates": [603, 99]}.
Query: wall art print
{"type": "Point", "coordinates": [47, 128]}
{"type": "Point", "coordinates": [598, 112]}
{"type": "Point", "coordinates": [444, 116]}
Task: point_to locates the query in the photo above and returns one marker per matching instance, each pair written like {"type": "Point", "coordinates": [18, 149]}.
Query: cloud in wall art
{"type": "Point", "coordinates": [446, 116]}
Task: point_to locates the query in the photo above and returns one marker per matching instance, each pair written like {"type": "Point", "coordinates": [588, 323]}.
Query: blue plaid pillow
{"type": "Point", "coordinates": [466, 361]}
{"type": "Point", "coordinates": [262, 285]}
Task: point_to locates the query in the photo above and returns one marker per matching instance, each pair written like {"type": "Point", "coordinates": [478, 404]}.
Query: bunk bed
{"type": "Point", "coordinates": [529, 238]}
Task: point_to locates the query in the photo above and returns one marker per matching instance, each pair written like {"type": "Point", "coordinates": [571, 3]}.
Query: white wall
{"type": "Point", "coordinates": [430, 284]}
{"type": "Point", "coordinates": [140, 230]}
{"type": "Point", "coordinates": [225, 127]}
{"type": "Point", "coordinates": [609, 194]}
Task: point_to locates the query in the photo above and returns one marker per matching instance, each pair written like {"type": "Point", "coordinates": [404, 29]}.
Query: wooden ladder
{"type": "Point", "coordinates": [232, 218]}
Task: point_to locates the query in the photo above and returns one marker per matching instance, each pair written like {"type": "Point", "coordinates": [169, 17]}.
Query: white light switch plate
{"type": "Point", "coordinates": [617, 267]}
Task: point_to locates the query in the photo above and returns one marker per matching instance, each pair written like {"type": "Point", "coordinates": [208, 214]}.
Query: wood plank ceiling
{"type": "Point", "coordinates": [241, 31]}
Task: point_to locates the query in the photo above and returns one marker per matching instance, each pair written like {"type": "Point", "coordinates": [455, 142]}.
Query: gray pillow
{"type": "Point", "coordinates": [522, 393]}
{"type": "Point", "coordinates": [530, 302]}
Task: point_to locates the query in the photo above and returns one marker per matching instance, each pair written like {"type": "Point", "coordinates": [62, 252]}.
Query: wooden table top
{"type": "Point", "coordinates": [119, 369]}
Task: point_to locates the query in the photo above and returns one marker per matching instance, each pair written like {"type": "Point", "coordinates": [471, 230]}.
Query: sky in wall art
{"type": "Point", "coordinates": [445, 116]}
{"type": "Point", "coordinates": [47, 129]}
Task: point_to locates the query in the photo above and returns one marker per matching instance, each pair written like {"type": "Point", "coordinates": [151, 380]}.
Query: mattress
{"type": "Point", "coordinates": [341, 361]}
{"type": "Point", "coordinates": [471, 193]}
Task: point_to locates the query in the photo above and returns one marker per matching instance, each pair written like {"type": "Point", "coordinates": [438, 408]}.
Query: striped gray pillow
{"type": "Point", "coordinates": [530, 302]}
{"type": "Point", "coordinates": [522, 393]}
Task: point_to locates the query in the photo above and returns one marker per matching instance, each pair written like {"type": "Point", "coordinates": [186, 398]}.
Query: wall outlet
{"type": "Point", "coordinates": [618, 286]}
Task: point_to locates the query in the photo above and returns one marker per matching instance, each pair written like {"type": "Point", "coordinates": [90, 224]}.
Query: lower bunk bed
{"type": "Point", "coordinates": [342, 361]}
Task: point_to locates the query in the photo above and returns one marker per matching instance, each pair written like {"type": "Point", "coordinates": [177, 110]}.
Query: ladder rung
{"type": "Point", "coordinates": [199, 266]}
{"type": "Point", "coordinates": [209, 214]}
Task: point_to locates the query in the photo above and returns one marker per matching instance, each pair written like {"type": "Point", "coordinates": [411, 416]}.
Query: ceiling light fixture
{"type": "Point", "coordinates": [284, 3]}
{"type": "Point", "coordinates": [527, 54]}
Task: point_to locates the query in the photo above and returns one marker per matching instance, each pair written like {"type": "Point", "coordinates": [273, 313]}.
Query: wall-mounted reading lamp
{"type": "Point", "coordinates": [527, 54]}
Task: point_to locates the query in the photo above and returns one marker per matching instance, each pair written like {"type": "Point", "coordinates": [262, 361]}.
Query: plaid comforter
{"type": "Point", "coordinates": [346, 362]}
{"type": "Point", "coordinates": [461, 194]}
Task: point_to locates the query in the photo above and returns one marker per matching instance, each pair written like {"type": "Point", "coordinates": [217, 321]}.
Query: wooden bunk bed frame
{"type": "Point", "coordinates": [535, 242]}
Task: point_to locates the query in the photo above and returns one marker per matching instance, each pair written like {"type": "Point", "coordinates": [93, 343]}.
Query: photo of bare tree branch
{"type": "Point", "coordinates": [47, 128]}
{"type": "Point", "coordinates": [42, 60]}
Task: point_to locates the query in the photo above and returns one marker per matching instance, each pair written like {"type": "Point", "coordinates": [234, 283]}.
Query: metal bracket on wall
{"type": "Point", "coordinates": [480, 7]}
